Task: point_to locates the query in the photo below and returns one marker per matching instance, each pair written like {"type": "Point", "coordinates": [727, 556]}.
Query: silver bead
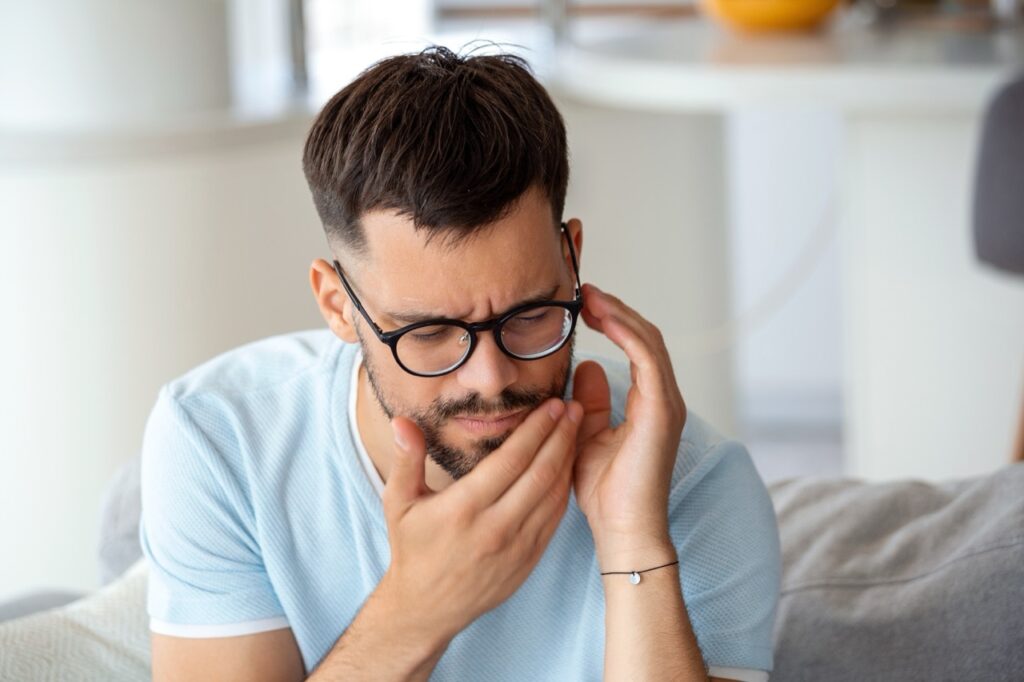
{"type": "Point", "coordinates": [634, 578]}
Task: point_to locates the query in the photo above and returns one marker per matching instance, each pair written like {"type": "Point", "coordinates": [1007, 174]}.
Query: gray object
{"type": "Point", "coordinates": [901, 581]}
{"type": "Point", "coordinates": [999, 182]}
{"type": "Point", "coordinates": [297, 47]}
{"type": "Point", "coordinates": [35, 602]}
{"type": "Point", "coordinates": [120, 511]}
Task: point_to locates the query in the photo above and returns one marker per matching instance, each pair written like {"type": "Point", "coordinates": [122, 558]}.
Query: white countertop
{"type": "Point", "coordinates": [698, 65]}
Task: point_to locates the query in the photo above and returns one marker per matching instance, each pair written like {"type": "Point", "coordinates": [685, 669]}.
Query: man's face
{"type": "Point", "coordinates": [466, 414]}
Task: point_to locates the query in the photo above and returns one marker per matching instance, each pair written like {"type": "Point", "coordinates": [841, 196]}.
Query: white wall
{"type": "Point", "coordinates": [118, 276]}
{"type": "Point", "coordinates": [785, 182]}
{"type": "Point", "coordinates": [86, 63]}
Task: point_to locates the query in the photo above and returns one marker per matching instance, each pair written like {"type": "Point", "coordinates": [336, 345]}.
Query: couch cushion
{"type": "Point", "coordinates": [901, 581]}
{"type": "Point", "coordinates": [104, 636]}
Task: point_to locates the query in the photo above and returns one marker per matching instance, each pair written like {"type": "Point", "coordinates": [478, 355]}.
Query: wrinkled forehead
{"type": "Point", "coordinates": [486, 273]}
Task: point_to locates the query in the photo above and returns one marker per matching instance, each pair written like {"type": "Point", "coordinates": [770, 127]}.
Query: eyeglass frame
{"type": "Point", "coordinates": [494, 324]}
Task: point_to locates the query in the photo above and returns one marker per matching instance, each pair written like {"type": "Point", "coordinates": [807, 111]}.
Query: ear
{"type": "Point", "coordinates": [575, 229]}
{"type": "Point", "coordinates": [332, 300]}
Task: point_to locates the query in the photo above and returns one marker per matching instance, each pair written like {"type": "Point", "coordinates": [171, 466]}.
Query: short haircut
{"type": "Point", "coordinates": [449, 141]}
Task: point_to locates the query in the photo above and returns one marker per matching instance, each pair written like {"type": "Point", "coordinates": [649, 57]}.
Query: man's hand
{"type": "Point", "coordinates": [460, 552]}
{"type": "Point", "coordinates": [622, 474]}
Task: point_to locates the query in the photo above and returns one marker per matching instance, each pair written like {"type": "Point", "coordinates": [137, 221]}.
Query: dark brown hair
{"type": "Point", "coordinates": [450, 141]}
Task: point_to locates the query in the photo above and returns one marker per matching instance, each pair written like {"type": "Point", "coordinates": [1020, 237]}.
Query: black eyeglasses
{"type": "Point", "coordinates": [528, 332]}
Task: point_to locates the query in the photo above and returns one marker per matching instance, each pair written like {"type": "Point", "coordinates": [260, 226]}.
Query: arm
{"type": "Point", "coordinates": [622, 479]}
{"type": "Point", "coordinates": [380, 644]}
{"type": "Point", "coordinates": [647, 630]}
{"type": "Point", "coordinates": [272, 656]}
{"type": "Point", "coordinates": [194, 539]}
{"type": "Point", "coordinates": [372, 647]}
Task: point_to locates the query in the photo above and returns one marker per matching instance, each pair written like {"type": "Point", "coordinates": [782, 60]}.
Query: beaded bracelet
{"type": "Point", "coordinates": [634, 576]}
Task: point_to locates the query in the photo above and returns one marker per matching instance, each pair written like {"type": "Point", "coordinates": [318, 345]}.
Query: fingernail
{"type": "Point", "coordinates": [575, 412]}
{"type": "Point", "coordinates": [555, 409]}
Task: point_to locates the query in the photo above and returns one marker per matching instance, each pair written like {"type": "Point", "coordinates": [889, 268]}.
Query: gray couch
{"type": "Point", "coordinates": [881, 581]}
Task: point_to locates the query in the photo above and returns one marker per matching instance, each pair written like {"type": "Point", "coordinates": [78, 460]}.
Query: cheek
{"type": "Point", "coordinates": [550, 370]}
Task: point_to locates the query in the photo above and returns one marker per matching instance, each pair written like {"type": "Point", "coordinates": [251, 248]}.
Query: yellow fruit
{"type": "Point", "coordinates": [770, 15]}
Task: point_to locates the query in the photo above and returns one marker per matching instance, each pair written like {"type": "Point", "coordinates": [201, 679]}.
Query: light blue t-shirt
{"type": "Point", "coordinates": [258, 513]}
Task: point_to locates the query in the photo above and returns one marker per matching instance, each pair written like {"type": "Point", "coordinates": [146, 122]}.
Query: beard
{"type": "Point", "coordinates": [457, 462]}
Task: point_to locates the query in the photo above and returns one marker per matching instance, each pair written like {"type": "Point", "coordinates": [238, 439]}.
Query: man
{"type": "Point", "coordinates": [409, 494]}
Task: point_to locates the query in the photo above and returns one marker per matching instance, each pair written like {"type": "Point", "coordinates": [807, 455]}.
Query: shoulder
{"type": "Point", "coordinates": [258, 365]}
{"type": "Point", "coordinates": [242, 410]}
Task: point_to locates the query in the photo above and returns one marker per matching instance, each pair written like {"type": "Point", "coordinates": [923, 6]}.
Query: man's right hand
{"type": "Point", "coordinates": [460, 552]}
{"type": "Point", "coordinates": [457, 553]}
{"type": "Point", "coordinates": [454, 555]}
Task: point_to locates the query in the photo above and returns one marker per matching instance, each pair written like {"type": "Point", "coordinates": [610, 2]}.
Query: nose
{"type": "Point", "coordinates": [488, 371]}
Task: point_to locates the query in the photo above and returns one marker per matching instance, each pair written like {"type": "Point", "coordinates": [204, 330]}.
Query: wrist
{"type": "Point", "coordinates": [409, 623]}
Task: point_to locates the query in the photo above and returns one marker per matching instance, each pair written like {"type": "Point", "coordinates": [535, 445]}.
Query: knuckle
{"type": "Point", "coordinates": [559, 496]}
{"type": "Point", "coordinates": [656, 333]}
{"type": "Point", "coordinates": [496, 537]}
{"type": "Point", "coordinates": [462, 515]}
{"type": "Point", "coordinates": [492, 543]}
{"type": "Point", "coordinates": [543, 474]}
{"type": "Point", "coordinates": [508, 465]}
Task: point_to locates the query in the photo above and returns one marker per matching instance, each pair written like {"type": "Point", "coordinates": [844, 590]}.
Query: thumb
{"type": "Point", "coordinates": [590, 389]}
{"type": "Point", "coordinates": [406, 479]}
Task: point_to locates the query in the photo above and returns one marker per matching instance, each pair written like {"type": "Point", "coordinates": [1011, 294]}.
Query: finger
{"type": "Point", "coordinates": [644, 346]}
{"type": "Point", "coordinates": [590, 389]}
{"type": "Point", "coordinates": [493, 475]}
{"type": "Point", "coordinates": [653, 380]}
{"type": "Point", "coordinates": [604, 305]}
{"type": "Point", "coordinates": [542, 521]}
{"type": "Point", "coordinates": [407, 477]}
{"type": "Point", "coordinates": [545, 471]}
{"type": "Point", "coordinates": [647, 374]}
{"type": "Point", "coordinates": [600, 306]}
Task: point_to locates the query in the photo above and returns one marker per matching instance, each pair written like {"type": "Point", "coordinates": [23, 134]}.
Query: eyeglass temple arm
{"type": "Point", "coordinates": [355, 301]}
{"type": "Point", "coordinates": [572, 254]}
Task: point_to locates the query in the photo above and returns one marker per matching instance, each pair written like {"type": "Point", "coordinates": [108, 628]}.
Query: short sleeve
{"type": "Point", "coordinates": [197, 530]}
{"type": "Point", "coordinates": [723, 525]}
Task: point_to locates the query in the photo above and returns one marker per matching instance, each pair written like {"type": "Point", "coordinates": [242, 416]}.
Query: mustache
{"type": "Point", "coordinates": [442, 410]}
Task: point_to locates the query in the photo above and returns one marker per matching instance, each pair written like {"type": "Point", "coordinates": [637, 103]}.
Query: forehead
{"type": "Point", "coordinates": [486, 273]}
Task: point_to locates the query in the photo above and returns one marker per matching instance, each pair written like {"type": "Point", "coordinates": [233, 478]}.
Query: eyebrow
{"type": "Point", "coordinates": [412, 317]}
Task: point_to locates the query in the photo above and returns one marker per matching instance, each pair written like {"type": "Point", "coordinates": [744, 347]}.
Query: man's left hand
{"type": "Point", "coordinates": [622, 474]}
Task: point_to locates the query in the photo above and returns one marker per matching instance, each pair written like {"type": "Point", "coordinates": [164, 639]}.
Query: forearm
{"type": "Point", "coordinates": [648, 635]}
{"type": "Point", "coordinates": [381, 643]}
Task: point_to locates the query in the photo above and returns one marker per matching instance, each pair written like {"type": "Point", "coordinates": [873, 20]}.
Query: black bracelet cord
{"type": "Point", "coordinates": [673, 563]}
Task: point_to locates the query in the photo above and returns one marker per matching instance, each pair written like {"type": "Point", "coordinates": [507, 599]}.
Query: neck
{"type": "Point", "coordinates": [378, 439]}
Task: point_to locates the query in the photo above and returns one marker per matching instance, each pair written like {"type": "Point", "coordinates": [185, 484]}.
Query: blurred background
{"type": "Point", "coordinates": [786, 191]}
